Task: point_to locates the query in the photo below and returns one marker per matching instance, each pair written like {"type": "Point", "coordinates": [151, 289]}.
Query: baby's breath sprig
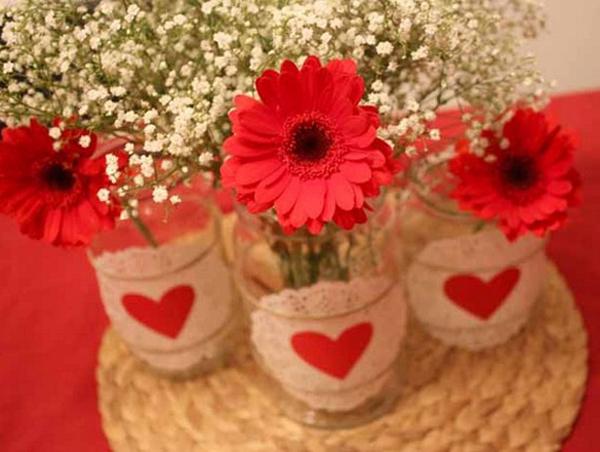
{"type": "Point", "coordinates": [162, 75]}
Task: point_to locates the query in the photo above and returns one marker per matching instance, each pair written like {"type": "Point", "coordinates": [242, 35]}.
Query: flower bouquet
{"type": "Point", "coordinates": [316, 263]}
{"type": "Point", "coordinates": [311, 114]}
{"type": "Point", "coordinates": [326, 316]}
{"type": "Point", "coordinates": [476, 227]}
{"type": "Point", "coordinates": [105, 152]}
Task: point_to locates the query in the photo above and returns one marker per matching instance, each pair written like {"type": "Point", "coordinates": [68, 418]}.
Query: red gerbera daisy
{"type": "Point", "coordinates": [53, 194]}
{"type": "Point", "coordinates": [307, 148]}
{"type": "Point", "coordinates": [525, 179]}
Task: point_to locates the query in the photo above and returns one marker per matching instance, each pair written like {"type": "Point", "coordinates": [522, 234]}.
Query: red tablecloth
{"type": "Point", "coordinates": [51, 320]}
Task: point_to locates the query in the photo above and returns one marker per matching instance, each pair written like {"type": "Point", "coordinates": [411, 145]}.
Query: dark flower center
{"type": "Point", "coordinates": [519, 171]}
{"type": "Point", "coordinates": [311, 141]}
{"type": "Point", "coordinates": [57, 177]}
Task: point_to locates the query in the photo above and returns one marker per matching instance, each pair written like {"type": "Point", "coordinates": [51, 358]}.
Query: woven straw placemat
{"type": "Point", "coordinates": [522, 396]}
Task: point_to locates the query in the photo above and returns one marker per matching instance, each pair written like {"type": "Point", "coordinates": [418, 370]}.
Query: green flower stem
{"type": "Point", "coordinates": [145, 231]}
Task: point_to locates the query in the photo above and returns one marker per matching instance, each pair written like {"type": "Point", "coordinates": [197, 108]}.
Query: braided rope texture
{"type": "Point", "coordinates": [521, 396]}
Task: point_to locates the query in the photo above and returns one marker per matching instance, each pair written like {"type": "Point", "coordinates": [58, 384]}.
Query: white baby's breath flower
{"type": "Point", "coordinates": [377, 85]}
{"type": "Point", "coordinates": [384, 48]}
{"type": "Point", "coordinates": [154, 146]}
{"type": "Point", "coordinates": [411, 151]}
{"type": "Point", "coordinates": [420, 54]}
{"type": "Point", "coordinates": [147, 165]}
{"type": "Point", "coordinates": [139, 180]}
{"type": "Point", "coordinates": [104, 195]}
{"type": "Point", "coordinates": [55, 133]}
{"type": "Point", "coordinates": [160, 194]}
{"type": "Point", "coordinates": [130, 116]}
{"type": "Point", "coordinates": [412, 105]}
{"type": "Point", "coordinates": [150, 115]}
{"type": "Point", "coordinates": [429, 115]}
{"type": "Point", "coordinates": [85, 141]}
{"type": "Point", "coordinates": [205, 158]}
{"type": "Point", "coordinates": [223, 40]}
{"type": "Point", "coordinates": [112, 167]}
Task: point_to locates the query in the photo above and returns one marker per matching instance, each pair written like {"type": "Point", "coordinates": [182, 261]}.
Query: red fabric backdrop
{"type": "Point", "coordinates": [51, 320]}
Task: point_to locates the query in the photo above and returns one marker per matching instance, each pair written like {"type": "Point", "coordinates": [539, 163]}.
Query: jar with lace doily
{"type": "Point", "coordinates": [326, 316]}
{"type": "Point", "coordinates": [467, 284]}
{"type": "Point", "coordinates": [165, 286]}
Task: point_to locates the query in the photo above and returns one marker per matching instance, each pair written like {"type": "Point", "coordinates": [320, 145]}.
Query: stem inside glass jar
{"type": "Point", "coordinates": [306, 262]}
{"type": "Point", "coordinates": [144, 230]}
{"type": "Point", "coordinates": [304, 259]}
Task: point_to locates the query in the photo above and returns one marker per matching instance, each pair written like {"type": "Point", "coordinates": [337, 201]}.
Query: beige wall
{"type": "Point", "coordinates": [569, 51]}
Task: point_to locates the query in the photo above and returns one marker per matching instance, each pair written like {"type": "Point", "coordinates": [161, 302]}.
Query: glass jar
{"type": "Point", "coordinates": [326, 317]}
{"type": "Point", "coordinates": [166, 288]}
{"type": "Point", "coordinates": [467, 284]}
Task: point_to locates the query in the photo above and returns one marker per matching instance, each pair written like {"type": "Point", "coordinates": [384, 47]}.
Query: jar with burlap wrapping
{"type": "Point", "coordinates": [326, 317]}
{"type": "Point", "coordinates": [466, 282]}
{"type": "Point", "coordinates": [166, 288]}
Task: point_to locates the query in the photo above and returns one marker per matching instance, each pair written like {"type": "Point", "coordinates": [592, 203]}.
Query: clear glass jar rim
{"type": "Point", "coordinates": [152, 276]}
{"type": "Point", "coordinates": [253, 301]}
{"type": "Point", "coordinates": [431, 200]}
{"type": "Point", "coordinates": [490, 268]}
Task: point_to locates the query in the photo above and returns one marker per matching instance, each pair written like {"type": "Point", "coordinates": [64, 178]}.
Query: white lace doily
{"type": "Point", "coordinates": [477, 290]}
{"type": "Point", "coordinates": [136, 281]}
{"type": "Point", "coordinates": [371, 307]}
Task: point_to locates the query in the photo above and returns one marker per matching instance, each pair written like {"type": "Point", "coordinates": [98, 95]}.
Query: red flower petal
{"type": "Point", "coordinates": [364, 140]}
{"type": "Point", "coordinates": [344, 194]}
{"type": "Point", "coordinates": [52, 225]}
{"type": "Point", "coordinates": [330, 204]}
{"type": "Point", "coordinates": [356, 172]}
{"type": "Point", "coordinates": [241, 148]}
{"type": "Point", "coordinates": [339, 109]}
{"type": "Point", "coordinates": [298, 215]}
{"type": "Point", "coordinates": [290, 98]}
{"type": "Point", "coordinates": [253, 172]}
{"type": "Point", "coordinates": [356, 155]}
{"type": "Point", "coordinates": [312, 197]}
{"type": "Point", "coordinates": [342, 66]}
{"type": "Point", "coordinates": [559, 187]}
{"type": "Point", "coordinates": [288, 198]}
{"type": "Point", "coordinates": [355, 126]}
{"type": "Point", "coordinates": [314, 226]}
{"type": "Point", "coordinates": [289, 67]}
{"type": "Point", "coordinates": [267, 87]}
{"type": "Point", "coordinates": [271, 187]}
{"type": "Point", "coordinates": [358, 196]}
{"type": "Point", "coordinates": [260, 121]}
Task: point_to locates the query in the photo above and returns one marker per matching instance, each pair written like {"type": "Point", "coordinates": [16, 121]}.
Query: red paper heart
{"type": "Point", "coordinates": [334, 357]}
{"type": "Point", "coordinates": [166, 316]}
{"type": "Point", "coordinates": [482, 298]}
